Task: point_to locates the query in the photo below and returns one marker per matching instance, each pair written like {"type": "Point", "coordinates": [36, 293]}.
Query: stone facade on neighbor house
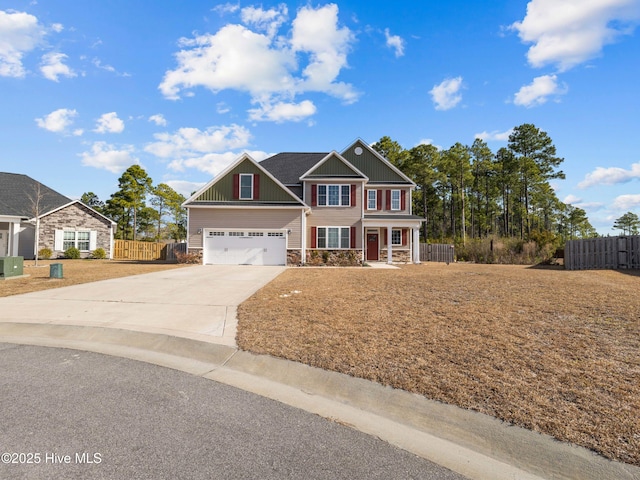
{"type": "Point", "coordinates": [306, 208]}
{"type": "Point", "coordinates": [62, 222]}
{"type": "Point", "coordinates": [76, 218]}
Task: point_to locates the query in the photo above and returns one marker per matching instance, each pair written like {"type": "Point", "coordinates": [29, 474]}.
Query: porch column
{"type": "Point", "coordinates": [389, 250]}
{"type": "Point", "coordinates": [13, 240]}
{"type": "Point", "coordinates": [416, 246]}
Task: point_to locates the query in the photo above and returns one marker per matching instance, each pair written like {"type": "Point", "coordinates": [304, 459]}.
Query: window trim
{"type": "Point", "coordinates": [76, 241]}
{"type": "Point", "coordinates": [324, 196]}
{"type": "Point", "coordinates": [374, 199]}
{"type": "Point", "coordinates": [240, 186]}
{"type": "Point", "coordinates": [394, 244]}
{"type": "Point", "coordinates": [325, 238]}
{"type": "Point", "coordinates": [395, 201]}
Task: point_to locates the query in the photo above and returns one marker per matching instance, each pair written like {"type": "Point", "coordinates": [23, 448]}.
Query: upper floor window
{"type": "Point", "coordinates": [395, 199]}
{"type": "Point", "coordinates": [372, 201]}
{"type": "Point", "coordinates": [246, 186]}
{"type": "Point", "coordinates": [334, 195]}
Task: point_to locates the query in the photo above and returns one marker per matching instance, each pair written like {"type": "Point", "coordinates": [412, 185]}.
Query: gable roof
{"type": "Point", "coordinates": [17, 192]}
{"type": "Point", "coordinates": [81, 206]}
{"type": "Point", "coordinates": [209, 194]}
{"type": "Point", "coordinates": [288, 167]}
{"type": "Point", "coordinates": [333, 165]}
{"type": "Point", "coordinates": [377, 168]}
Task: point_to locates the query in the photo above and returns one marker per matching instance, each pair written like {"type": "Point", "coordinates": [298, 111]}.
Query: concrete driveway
{"type": "Point", "coordinates": [198, 302]}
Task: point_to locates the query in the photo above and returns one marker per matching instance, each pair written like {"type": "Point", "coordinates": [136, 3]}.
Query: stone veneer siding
{"type": "Point", "coordinates": [74, 217]}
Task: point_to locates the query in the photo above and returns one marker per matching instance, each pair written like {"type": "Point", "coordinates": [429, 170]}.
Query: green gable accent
{"type": "Point", "coordinates": [333, 167]}
{"type": "Point", "coordinates": [222, 189]}
{"type": "Point", "coordinates": [369, 164]}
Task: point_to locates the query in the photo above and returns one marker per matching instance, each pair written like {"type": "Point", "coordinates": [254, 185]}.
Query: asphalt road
{"type": "Point", "coordinates": [79, 415]}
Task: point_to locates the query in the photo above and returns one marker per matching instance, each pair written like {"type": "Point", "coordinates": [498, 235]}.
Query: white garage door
{"type": "Point", "coordinates": [245, 247]}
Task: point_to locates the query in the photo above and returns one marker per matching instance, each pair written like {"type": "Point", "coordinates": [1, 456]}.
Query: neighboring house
{"type": "Point", "coordinates": [63, 222]}
{"type": "Point", "coordinates": [296, 208]}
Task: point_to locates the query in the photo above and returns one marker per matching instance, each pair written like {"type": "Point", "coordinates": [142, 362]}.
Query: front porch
{"type": "Point", "coordinates": [392, 238]}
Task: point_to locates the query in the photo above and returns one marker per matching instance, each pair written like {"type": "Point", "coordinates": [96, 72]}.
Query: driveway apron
{"type": "Point", "coordinates": [198, 302]}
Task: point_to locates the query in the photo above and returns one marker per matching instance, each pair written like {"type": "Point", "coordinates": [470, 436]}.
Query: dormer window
{"type": "Point", "coordinates": [246, 186]}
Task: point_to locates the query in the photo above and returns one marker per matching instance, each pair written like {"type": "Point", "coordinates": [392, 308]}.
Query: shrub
{"type": "Point", "coordinates": [99, 253]}
{"type": "Point", "coordinates": [188, 257]}
{"type": "Point", "coordinates": [45, 253]}
{"type": "Point", "coordinates": [72, 253]}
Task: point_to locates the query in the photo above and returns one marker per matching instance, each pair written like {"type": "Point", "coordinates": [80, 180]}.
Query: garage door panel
{"type": "Point", "coordinates": [236, 247]}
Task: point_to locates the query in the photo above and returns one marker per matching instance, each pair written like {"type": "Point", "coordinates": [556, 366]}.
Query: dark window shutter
{"type": "Point", "coordinates": [403, 199]}
{"type": "Point", "coordinates": [256, 186]}
{"type": "Point", "coordinates": [314, 195]}
{"type": "Point", "coordinates": [388, 199]}
{"type": "Point", "coordinates": [404, 236]}
{"type": "Point", "coordinates": [353, 195]}
{"type": "Point", "coordinates": [353, 237]}
{"type": "Point", "coordinates": [379, 200]}
{"type": "Point", "coordinates": [236, 186]}
{"type": "Point", "coordinates": [384, 237]}
{"type": "Point", "coordinates": [314, 236]}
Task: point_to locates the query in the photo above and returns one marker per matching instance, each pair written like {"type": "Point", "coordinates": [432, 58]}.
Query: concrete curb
{"type": "Point", "coordinates": [472, 444]}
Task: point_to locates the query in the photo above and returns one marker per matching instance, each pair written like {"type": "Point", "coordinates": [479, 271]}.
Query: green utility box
{"type": "Point", "coordinates": [11, 266]}
{"type": "Point", "coordinates": [55, 270]}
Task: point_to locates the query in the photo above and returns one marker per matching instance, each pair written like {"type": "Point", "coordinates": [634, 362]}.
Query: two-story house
{"type": "Point", "coordinates": [295, 207]}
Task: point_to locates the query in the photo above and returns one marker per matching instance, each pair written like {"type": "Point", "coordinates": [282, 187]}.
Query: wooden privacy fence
{"type": "Point", "coordinates": [130, 250]}
{"type": "Point", "coordinates": [437, 252]}
{"type": "Point", "coordinates": [603, 253]}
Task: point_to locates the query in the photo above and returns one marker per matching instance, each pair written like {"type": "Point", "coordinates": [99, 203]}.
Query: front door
{"type": "Point", "coordinates": [4, 243]}
{"type": "Point", "coordinates": [372, 246]}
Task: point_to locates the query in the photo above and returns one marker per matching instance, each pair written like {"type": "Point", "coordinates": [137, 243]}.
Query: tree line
{"type": "Point", "coordinates": [471, 192]}
{"type": "Point", "coordinates": [141, 210]}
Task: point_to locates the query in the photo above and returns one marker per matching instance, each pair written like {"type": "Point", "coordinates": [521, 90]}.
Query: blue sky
{"type": "Point", "coordinates": [89, 88]}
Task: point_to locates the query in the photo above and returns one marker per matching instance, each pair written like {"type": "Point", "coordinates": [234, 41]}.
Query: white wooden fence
{"type": "Point", "coordinates": [603, 253]}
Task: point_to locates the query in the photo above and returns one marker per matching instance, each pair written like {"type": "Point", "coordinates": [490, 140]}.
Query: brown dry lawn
{"type": "Point", "coordinates": [75, 272]}
{"type": "Point", "coordinates": [551, 350]}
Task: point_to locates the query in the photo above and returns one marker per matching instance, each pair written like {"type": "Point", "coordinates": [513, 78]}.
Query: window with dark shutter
{"type": "Point", "coordinates": [314, 195]}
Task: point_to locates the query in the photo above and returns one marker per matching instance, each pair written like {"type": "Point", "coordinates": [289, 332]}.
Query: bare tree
{"type": "Point", "coordinates": [36, 209]}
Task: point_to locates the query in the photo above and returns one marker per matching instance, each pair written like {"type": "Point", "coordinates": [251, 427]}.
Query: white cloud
{"type": "Point", "coordinates": [226, 8]}
{"type": "Point", "coordinates": [316, 32]}
{"type": "Point", "coordinates": [58, 120]}
{"type": "Point", "coordinates": [271, 69]}
{"type": "Point", "coordinates": [610, 176]}
{"type": "Point", "coordinates": [107, 157]}
{"type": "Point", "coordinates": [569, 32]}
{"type": "Point", "coordinates": [158, 119]}
{"type": "Point", "coordinates": [494, 135]}
{"type": "Point", "coordinates": [268, 21]}
{"type": "Point", "coordinates": [627, 202]}
{"type": "Point", "coordinates": [281, 112]}
{"type": "Point", "coordinates": [57, 27]}
{"type": "Point", "coordinates": [446, 94]}
{"type": "Point", "coordinates": [429, 141]}
{"type": "Point", "coordinates": [20, 33]}
{"type": "Point", "coordinates": [192, 142]}
{"type": "Point", "coordinates": [109, 68]}
{"type": "Point", "coordinates": [213, 163]}
{"type": "Point", "coordinates": [185, 187]}
{"type": "Point", "coordinates": [109, 123]}
{"type": "Point", "coordinates": [52, 66]}
{"type": "Point", "coordinates": [222, 108]}
{"type": "Point", "coordinates": [571, 200]}
{"type": "Point", "coordinates": [394, 42]}
{"type": "Point", "coordinates": [538, 92]}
